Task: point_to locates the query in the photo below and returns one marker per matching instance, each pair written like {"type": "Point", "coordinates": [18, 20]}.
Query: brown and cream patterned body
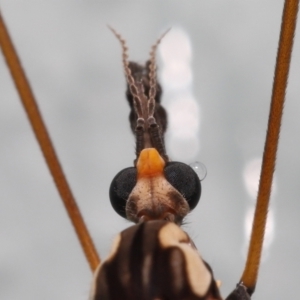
{"type": "Point", "coordinates": [154, 260]}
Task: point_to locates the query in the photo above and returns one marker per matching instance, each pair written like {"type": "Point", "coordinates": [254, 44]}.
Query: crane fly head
{"type": "Point", "coordinates": [155, 189]}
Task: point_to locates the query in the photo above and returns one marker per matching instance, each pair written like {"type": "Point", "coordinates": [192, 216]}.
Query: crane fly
{"type": "Point", "coordinates": [145, 257]}
{"type": "Point", "coordinates": [222, 277]}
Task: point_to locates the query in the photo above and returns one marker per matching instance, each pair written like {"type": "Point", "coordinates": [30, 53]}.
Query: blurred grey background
{"type": "Point", "coordinates": [74, 65]}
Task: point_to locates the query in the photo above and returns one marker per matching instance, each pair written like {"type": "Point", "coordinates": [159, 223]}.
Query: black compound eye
{"type": "Point", "coordinates": [185, 180]}
{"type": "Point", "coordinates": [120, 189]}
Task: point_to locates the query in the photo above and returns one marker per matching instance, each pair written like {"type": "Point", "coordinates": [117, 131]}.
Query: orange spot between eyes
{"type": "Point", "coordinates": [150, 163]}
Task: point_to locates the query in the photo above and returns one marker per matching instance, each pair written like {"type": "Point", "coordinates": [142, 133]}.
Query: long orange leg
{"type": "Point", "coordinates": [45, 143]}
{"type": "Point", "coordinates": [289, 18]}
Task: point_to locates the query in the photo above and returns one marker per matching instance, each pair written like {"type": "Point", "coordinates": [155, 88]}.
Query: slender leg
{"type": "Point", "coordinates": [249, 277]}
{"type": "Point", "coordinates": [47, 148]}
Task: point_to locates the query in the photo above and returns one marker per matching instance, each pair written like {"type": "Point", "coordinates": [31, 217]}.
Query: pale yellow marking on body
{"type": "Point", "coordinates": [112, 253]}
{"type": "Point", "coordinates": [199, 276]}
{"type": "Point", "coordinates": [93, 288]}
{"type": "Point", "coordinates": [123, 267]}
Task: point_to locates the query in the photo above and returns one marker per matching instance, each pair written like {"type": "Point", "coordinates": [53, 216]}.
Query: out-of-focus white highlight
{"type": "Point", "coordinates": [251, 176]}
{"type": "Point", "coordinates": [176, 75]}
{"type": "Point", "coordinates": [176, 54]}
{"type": "Point", "coordinates": [183, 149]}
{"type": "Point", "coordinates": [176, 47]}
{"type": "Point", "coordinates": [183, 109]}
{"type": "Point", "coordinates": [184, 116]}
